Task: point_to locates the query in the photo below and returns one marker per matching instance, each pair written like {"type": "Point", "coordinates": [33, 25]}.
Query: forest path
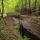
{"type": "Point", "coordinates": [10, 26]}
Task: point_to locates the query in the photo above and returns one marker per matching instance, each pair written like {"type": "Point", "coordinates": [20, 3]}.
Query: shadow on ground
{"type": "Point", "coordinates": [24, 32]}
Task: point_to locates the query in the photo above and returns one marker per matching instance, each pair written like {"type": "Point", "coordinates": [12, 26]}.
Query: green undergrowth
{"type": "Point", "coordinates": [25, 38]}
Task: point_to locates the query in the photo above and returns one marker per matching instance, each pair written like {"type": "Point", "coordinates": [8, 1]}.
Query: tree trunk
{"type": "Point", "coordinates": [35, 3]}
{"type": "Point", "coordinates": [2, 8]}
{"type": "Point", "coordinates": [29, 3]}
{"type": "Point", "coordinates": [25, 3]}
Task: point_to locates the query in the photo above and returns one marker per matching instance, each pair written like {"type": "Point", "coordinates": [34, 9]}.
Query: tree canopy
{"type": "Point", "coordinates": [10, 5]}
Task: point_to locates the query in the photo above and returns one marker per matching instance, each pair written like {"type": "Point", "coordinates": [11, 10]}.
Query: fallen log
{"type": "Point", "coordinates": [31, 24]}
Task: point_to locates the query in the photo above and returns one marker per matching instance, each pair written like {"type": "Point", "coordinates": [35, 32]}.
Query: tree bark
{"type": "Point", "coordinates": [25, 3]}
{"type": "Point", "coordinates": [29, 3]}
{"type": "Point", "coordinates": [2, 8]}
{"type": "Point", "coordinates": [35, 3]}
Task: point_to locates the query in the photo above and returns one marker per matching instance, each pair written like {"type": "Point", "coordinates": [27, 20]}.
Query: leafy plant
{"type": "Point", "coordinates": [25, 38]}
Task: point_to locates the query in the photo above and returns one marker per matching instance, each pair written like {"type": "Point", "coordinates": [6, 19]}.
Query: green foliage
{"type": "Point", "coordinates": [12, 5]}
{"type": "Point", "coordinates": [25, 38]}
{"type": "Point", "coordinates": [1, 32]}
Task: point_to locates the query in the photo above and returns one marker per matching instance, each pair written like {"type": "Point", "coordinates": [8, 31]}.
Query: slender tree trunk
{"type": "Point", "coordinates": [39, 7]}
{"type": "Point", "coordinates": [25, 7]}
{"type": "Point", "coordinates": [22, 6]}
{"type": "Point", "coordinates": [29, 3]}
{"type": "Point", "coordinates": [2, 8]}
{"type": "Point", "coordinates": [35, 3]}
{"type": "Point", "coordinates": [29, 10]}
{"type": "Point", "coordinates": [39, 10]}
{"type": "Point", "coordinates": [22, 3]}
{"type": "Point", "coordinates": [25, 3]}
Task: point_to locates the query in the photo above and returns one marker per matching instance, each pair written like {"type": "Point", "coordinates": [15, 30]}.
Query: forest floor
{"type": "Point", "coordinates": [9, 28]}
